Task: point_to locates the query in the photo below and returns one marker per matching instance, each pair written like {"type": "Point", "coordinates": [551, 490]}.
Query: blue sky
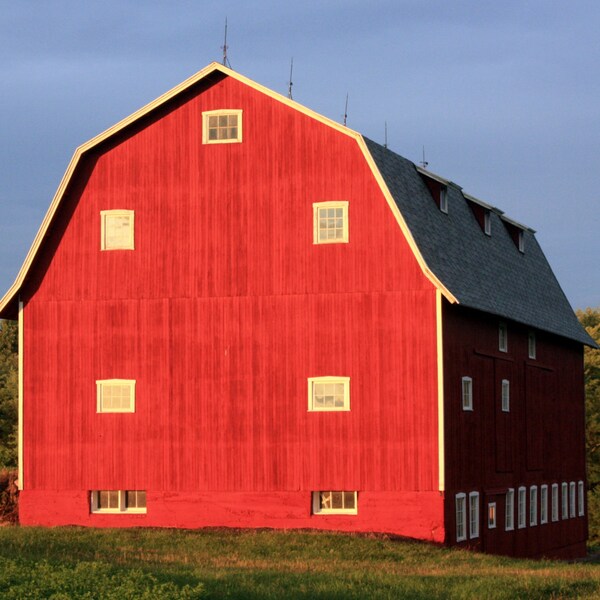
{"type": "Point", "coordinates": [505, 96]}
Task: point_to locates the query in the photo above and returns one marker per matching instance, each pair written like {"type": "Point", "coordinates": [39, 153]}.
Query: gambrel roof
{"type": "Point", "coordinates": [468, 267]}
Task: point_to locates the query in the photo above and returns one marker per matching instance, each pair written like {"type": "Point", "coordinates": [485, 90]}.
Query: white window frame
{"type": "Point", "coordinates": [219, 113]}
{"type": "Point", "coordinates": [444, 199]}
{"type": "Point", "coordinates": [319, 510]}
{"type": "Point", "coordinates": [543, 504]}
{"type": "Point", "coordinates": [532, 345]}
{"type": "Point", "coordinates": [467, 393]}
{"type": "Point", "coordinates": [317, 206]}
{"type": "Point", "coordinates": [487, 222]}
{"type": "Point", "coordinates": [492, 515]}
{"type": "Point", "coordinates": [473, 515]}
{"type": "Point", "coordinates": [122, 508]}
{"type": "Point", "coordinates": [335, 380]}
{"type": "Point", "coordinates": [502, 337]}
{"type": "Point", "coordinates": [509, 506]}
{"type": "Point", "coordinates": [554, 502]}
{"type": "Point", "coordinates": [565, 500]}
{"type": "Point", "coordinates": [522, 508]}
{"type": "Point", "coordinates": [533, 506]}
{"type": "Point", "coordinates": [572, 500]}
{"type": "Point", "coordinates": [102, 383]}
{"type": "Point", "coordinates": [581, 499]}
{"type": "Point", "coordinates": [461, 517]}
{"type": "Point", "coordinates": [505, 395]}
{"type": "Point", "coordinates": [129, 244]}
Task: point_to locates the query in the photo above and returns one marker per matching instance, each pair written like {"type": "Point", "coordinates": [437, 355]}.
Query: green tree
{"type": "Point", "coordinates": [8, 393]}
{"type": "Point", "coordinates": [590, 319]}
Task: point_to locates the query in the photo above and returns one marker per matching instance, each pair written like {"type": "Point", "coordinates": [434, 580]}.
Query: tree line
{"type": "Point", "coordinates": [589, 318]}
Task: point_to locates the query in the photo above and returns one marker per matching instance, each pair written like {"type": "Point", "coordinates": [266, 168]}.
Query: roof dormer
{"type": "Point", "coordinates": [438, 188]}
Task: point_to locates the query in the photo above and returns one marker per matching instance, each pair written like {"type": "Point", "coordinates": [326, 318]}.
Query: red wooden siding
{"type": "Point", "coordinates": [220, 314]}
{"type": "Point", "coordinates": [540, 441]}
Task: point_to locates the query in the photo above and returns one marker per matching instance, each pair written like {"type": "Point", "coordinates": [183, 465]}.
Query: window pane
{"type": "Point", "coordinates": [337, 500]}
{"type": "Point", "coordinates": [349, 500]}
{"type": "Point", "coordinates": [325, 499]}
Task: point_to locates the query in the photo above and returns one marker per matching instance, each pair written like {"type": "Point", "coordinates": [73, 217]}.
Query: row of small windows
{"type": "Point", "coordinates": [134, 502]}
{"type": "Point", "coordinates": [330, 222]}
{"type": "Point", "coordinates": [503, 341]}
{"type": "Point", "coordinates": [324, 394]}
{"type": "Point", "coordinates": [467, 394]}
{"type": "Point", "coordinates": [572, 504]}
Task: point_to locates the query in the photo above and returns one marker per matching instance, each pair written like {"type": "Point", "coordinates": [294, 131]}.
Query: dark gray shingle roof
{"type": "Point", "coordinates": [487, 273]}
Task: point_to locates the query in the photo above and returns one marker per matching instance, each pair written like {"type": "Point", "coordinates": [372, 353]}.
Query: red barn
{"type": "Point", "coordinates": [240, 313]}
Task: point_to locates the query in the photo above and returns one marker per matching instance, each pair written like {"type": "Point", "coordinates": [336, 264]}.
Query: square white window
{"type": "Point", "coordinates": [580, 499]}
{"type": "Point", "coordinates": [118, 501]}
{"type": "Point", "coordinates": [509, 515]}
{"type": "Point", "coordinates": [115, 395]}
{"type": "Point", "coordinates": [474, 515]}
{"type": "Point", "coordinates": [555, 502]}
{"type": "Point", "coordinates": [521, 508]}
{"type": "Point", "coordinates": [116, 230]}
{"type": "Point", "coordinates": [565, 500]}
{"type": "Point", "coordinates": [505, 395]}
{"type": "Point", "coordinates": [533, 506]}
{"type": "Point", "coordinates": [492, 515]}
{"type": "Point", "coordinates": [330, 222]}
{"type": "Point", "coordinates": [502, 337]}
{"type": "Point", "coordinates": [467, 393]}
{"type": "Point", "coordinates": [461, 517]}
{"type": "Point", "coordinates": [572, 507]}
{"type": "Point", "coordinates": [531, 345]}
{"type": "Point", "coordinates": [335, 503]}
{"type": "Point", "coordinates": [328, 393]}
{"type": "Point", "coordinates": [222, 126]}
{"type": "Point", "coordinates": [543, 504]}
{"type": "Point", "coordinates": [487, 223]}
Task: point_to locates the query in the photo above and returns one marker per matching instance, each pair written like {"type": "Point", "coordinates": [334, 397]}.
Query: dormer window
{"type": "Point", "coordinates": [438, 191]}
{"type": "Point", "coordinates": [521, 241]}
{"type": "Point", "coordinates": [222, 126]}
{"type": "Point", "coordinates": [487, 223]}
{"type": "Point", "coordinates": [444, 199]}
{"type": "Point", "coordinates": [516, 232]}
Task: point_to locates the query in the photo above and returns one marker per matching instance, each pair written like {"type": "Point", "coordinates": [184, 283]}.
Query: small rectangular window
{"type": "Point", "coordinates": [444, 199]}
{"type": "Point", "coordinates": [572, 507]}
{"type": "Point", "coordinates": [222, 126]}
{"type": "Point", "coordinates": [335, 503]}
{"type": "Point", "coordinates": [505, 395]}
{"type": "Point", "coordinates": [555, 502]}
{"type": "Point", "coordinates": [543, 504]}
{"type": "Point", "coordinates": [116, 230]}
{"type": "Point", "coordinates": [474, 515]}
{"type": "Point", "coordinates": [487, 223]}
{"type": "Point", "coordinates": [467, 393]}
{"type": "Point", "coordinates": [533, 507]}
{"type": "Point", "coordinates": [521, 508]}
{"type": "Point", "coordinates": [461, 517]}
{"type": "Point", "coordinates": [509, 515]}
{"type": "Point", "coordinates": [115, 395]}
{"type": "Point", "coordinates": [565, 500]}
{"type": "Point", "coordinates": [330, 222]}
{"type": "Point", "coordinates": [532, 345]}
{"type": "Point", "coordinates": [581, 499]}
{"type": "Point", "coordinates": [328, 393]}
{"type": "Point", "coordinates": [492, 515]}
{"type": "Point", "coordinates": [521, 238]}
{"type": "Point", "coordinates": [502, 337]}
{"type": "Point", "coordinates": [118, 501]}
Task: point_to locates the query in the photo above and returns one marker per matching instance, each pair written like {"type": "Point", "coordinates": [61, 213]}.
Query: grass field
{"type": "Point", "coordinates": [65, 563]}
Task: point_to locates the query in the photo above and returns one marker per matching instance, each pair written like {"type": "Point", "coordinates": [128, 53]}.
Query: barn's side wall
{"type": "Point", "coordinates": [220, 314]}
{"type": "Point", "coordinates": [540, 441]}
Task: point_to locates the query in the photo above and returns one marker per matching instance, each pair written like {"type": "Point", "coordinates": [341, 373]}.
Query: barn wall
{"type": "Point", "coordinates": [541, 440]}
{"type": "Point", "coordinates": [220, 314]}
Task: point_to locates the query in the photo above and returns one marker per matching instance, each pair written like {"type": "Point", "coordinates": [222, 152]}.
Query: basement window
{"type": "Point", "coordinates": [543, 504]}
{"type": "Point", "coordinates": [222, 126]}
{"type": "Point", "coordinates": [572, 507]}
{"type": "Point", "coordinates": [533, 498]}
{"type": "Point", "coordinates": [509, 515]}
{"type": "Point", "coordinates": [521, 507]}
{"type": "Point", "coordinates": [118, 501]}
{"type": "Point", "coordinates": [555, 502]}
{"type": "Point", "coordinates": [330, 222]}
{"type": "Point", "coordinates": [116, 230]}
{"type": "Point", "coordinates": [328, 393]}
{"type": "Point", "coordinates": [115, 395]}
{"type": "Point", "coordinates": [581, 499]}
{"type": "Point", "coordinates": [474, 515]}
{"type": "Point", "coordinates": [565, 500]}
{"type": "Point", "coordinates": [461, 517]}
{"type": "Point", "coordinates": [335, 503]}
{"type": "Point", "coordinates": [467, 393]}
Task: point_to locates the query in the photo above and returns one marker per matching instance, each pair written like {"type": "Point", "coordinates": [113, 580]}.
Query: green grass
{"type": "Point", "coordinates": [66, 563]}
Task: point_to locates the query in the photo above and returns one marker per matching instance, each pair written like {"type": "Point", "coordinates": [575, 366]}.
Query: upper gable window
{"type": "Point", "coordinates": [502, 337]}
{"type": "Point", "coordinates": [467, 393]}
{"type": "Point", "coordinates": [531, 344]}
{"type": "Point", "coordinates": [222, 126]}
{"type": "Point", "coordinates": [116, 229]}
{"type": "Point", "coordinates": [328, 393]}
{"type": "Point", "coordinates": [115, 395]}
{"type": "Point", "coordinates": [330, 222]}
